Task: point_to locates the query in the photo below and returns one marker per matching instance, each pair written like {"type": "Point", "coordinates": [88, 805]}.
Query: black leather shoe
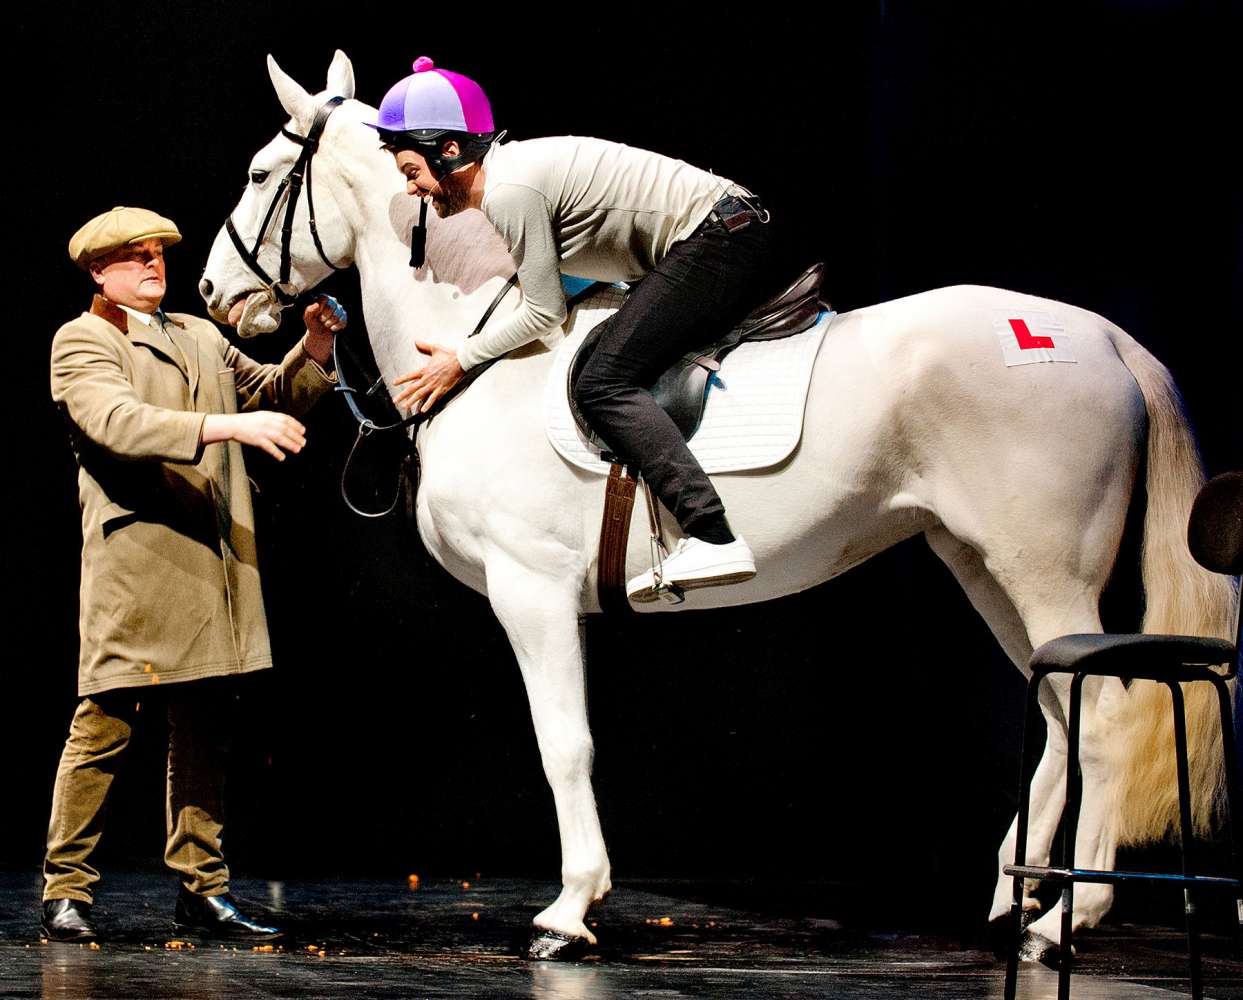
{"type": "Point", "coordinates": [67, 920]}
{"type": "Point", "coordinates": [218, 916]}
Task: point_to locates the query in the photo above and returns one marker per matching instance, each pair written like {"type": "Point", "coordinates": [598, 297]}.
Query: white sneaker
{"type": "Point", "coordinates": [696, 563]}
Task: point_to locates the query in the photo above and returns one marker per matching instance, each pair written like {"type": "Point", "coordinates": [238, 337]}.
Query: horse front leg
{"type": "Point", "coordinates": [541, 617]}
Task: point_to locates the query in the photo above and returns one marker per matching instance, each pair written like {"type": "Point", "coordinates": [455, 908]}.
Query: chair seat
{"type": "Point", "coordinates": [1133, 655]}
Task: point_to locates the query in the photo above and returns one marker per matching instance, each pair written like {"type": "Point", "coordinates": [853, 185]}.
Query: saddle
{"type": "Point", "coordinates": [682, 391]}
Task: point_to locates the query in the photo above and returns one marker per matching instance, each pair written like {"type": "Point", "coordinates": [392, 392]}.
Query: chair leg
{"type": "Point", "coordinates": [1186, 837]}
{"type": "Point", "coordinates": [1234, 808]}
{"type": "Point", "coordinates": [1070, 829]}
{"type": "Point", "coordinates": [1016, 906]}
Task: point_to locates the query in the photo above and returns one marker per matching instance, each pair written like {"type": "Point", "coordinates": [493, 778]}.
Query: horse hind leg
{"type": "Point", "coordinates": [1096, 837]}
{"type": "Point", "coordinates": [1047, 789]}
{"type": "Point", "coordinates": [540, 616]}
{"type": "Point", "coordinates": [1056, 591]}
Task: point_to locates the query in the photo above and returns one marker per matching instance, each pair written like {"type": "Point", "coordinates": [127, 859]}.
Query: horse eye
{"type": "Point", "coordinates": [258, 176]}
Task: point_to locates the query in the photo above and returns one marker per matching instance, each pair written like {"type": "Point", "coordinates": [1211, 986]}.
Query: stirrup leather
{"type": "Point", "coordinates": [668, 592]}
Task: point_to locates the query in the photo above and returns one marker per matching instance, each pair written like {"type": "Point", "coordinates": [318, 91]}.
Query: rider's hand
{"type": "Point", "coordinates": [264, 429]}
{"type": "Point", "coordinates": [324, 318]}
{"type": "Point", "coordinates": [433, 380]}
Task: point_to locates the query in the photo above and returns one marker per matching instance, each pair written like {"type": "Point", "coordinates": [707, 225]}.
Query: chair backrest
{"type": "Point", "coordinates": [1215, 537]}
{"type": "Point", "coordinates": [1215, 528]}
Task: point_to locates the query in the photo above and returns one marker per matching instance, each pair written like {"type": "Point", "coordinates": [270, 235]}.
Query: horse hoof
{"type": "Point", "coordinates": [1035, 947]}
{"type": "Point", "coordinates": [1001, 932]}
{"type": "Point", "coordinates": [550, 946]}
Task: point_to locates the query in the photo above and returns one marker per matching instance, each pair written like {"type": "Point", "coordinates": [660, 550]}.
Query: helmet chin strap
{"type": "Point", "coordinates": [443, 165]}
{"type": "Point", "coordinates": [418, 237]}
{"type": "Point", "coordinates": [418, 234]}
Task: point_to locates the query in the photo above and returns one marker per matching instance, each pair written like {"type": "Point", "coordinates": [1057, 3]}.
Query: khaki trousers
{"type": "Point", "coordinates": [199, 716]}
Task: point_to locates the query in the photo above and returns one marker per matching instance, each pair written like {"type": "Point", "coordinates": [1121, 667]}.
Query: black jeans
{"type": "Point", "coordinates": [702, 289]}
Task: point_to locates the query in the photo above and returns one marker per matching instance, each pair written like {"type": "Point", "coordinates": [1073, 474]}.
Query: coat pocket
{"type": "Point", "coordinates": [227, 380]}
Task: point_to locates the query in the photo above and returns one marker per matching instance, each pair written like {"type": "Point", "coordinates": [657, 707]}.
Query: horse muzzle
{"type": "Point", "coordinates": [257, 313]}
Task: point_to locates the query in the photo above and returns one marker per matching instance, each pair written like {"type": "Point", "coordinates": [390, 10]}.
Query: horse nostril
{"type": "Point", "coordinates": [205, 288]}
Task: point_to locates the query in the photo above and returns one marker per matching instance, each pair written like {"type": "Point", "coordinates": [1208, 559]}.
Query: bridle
{"type": "Point", "coordinates": [291, 184]}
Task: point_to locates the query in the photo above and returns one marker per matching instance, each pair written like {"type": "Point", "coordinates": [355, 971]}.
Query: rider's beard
{"type": "Point", "coordinates": [452, 194]}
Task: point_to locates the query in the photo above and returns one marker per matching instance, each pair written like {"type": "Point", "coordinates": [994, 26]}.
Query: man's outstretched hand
{"type": "Point", "coordinates": [433, 380]}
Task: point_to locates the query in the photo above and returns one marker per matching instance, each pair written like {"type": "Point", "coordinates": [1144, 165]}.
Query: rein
{"type": "Point", "coordinates": [291, 185]}
{"type": "Point", "coordinates": [367, 426]}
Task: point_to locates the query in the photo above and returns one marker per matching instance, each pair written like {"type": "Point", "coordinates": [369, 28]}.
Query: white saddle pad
{"type": "Point", "coordinates": [754, 416]}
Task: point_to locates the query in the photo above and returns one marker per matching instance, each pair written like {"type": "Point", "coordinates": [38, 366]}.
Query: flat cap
{"type": "Point", "coordinates": [117, 228]}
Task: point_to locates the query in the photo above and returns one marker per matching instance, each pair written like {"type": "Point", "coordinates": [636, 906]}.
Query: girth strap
{"type": "Point", "coordinates": [614, 535]}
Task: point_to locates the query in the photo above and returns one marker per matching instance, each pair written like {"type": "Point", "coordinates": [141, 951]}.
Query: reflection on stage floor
{"type": "Point", "coordinates": [440, 937]}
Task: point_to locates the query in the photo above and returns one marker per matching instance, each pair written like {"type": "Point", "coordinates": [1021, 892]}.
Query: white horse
{"type": "Point", "coordinates": [1018, 476]}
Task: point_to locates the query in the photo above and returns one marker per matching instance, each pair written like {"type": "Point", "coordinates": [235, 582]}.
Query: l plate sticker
{"type": "Point", "coordinates": [1028, 337]}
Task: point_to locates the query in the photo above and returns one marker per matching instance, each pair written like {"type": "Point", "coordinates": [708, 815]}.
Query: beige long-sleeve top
{"type": "Point", "coordinates": [588, 207]}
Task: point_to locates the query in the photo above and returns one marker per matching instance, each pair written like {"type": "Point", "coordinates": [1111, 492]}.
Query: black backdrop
{"type": "Point", "coordinates": [1084, 156]}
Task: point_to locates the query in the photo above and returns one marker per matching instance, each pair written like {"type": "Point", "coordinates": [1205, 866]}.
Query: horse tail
{"type": "Point", "coordinates": [1181, 598]}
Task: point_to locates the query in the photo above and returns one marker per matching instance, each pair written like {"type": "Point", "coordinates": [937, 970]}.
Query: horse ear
{"type": "Point", "coordinates": [293, 97]}
{"type": "Point", "coordinates": [341, 76]}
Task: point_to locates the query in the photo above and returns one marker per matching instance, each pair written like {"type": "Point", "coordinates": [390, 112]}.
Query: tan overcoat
{"type": "Point", "coordinates": [170, 578]}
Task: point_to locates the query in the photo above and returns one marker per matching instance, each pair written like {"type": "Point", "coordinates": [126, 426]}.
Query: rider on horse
{"type": "Point", "coordinates": [609, 212]}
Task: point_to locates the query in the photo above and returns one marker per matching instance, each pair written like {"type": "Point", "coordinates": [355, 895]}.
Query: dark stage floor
{"type": "Point", "coordinates": [450, 939]}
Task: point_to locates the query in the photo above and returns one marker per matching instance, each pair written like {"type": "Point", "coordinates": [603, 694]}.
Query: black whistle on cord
{"type": "Point", "coordinates": [418, 238]}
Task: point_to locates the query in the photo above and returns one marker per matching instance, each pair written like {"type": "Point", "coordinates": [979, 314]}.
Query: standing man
{"type": "Point", "coordinates": [158, 405]}
{"type": "Point", "coordinates": [600, 210]}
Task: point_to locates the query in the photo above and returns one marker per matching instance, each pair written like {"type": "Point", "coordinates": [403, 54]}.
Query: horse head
{"type": "Point", "coordinates": [361, 211]}
{"type": "Point", "coordinates": [293, 224]}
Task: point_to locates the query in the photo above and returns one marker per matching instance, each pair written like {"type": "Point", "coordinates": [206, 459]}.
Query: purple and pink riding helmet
{"type": "Point", "coordinates": [431, 106]}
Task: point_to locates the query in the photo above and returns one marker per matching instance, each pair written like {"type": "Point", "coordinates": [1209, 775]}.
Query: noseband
{"type": "Point", "coordinates": [292, 186]}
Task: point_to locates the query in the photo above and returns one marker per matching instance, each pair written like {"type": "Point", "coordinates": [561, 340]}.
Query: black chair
{"type": "Point", "coordinates": [1215, 537]}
